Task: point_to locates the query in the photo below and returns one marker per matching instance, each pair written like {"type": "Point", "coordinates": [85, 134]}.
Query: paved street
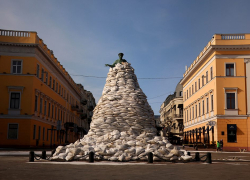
{"type": "Point", "coordinates": [226, 165]}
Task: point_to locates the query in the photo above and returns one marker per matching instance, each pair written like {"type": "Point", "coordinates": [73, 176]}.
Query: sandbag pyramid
{"type": "Point", "coordinates": [123, 126]}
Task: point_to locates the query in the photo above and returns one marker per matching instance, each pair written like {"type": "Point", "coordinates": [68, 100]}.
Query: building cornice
{"type": "Point", "coordinates": [216, 118]}
{"type": "Point", "coordinates": [211, 49]}
{"type": "Point", "coordinates": [18, 44]}
{"type": "Point", "coordinates": [34, 50]}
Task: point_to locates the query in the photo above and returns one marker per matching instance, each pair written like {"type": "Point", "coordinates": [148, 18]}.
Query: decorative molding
{"type": "Point", "coordinates": [246, 60]}
{"type": "Point", "coordinates": [216, 118]}
{"type": "Point", "coordinates": [10, 116]}
{"type": "Point", "coordinates": [14, 88]}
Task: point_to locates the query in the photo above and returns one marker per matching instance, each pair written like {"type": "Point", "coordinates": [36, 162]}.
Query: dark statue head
{"type": "Point", "coordinates": [120, 55]}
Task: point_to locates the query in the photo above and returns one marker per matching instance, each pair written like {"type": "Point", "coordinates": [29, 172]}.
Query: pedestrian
{"type": "Point", "coordinates": [221, 144]}
{"type": "Point", "coordinates": [218, 146]}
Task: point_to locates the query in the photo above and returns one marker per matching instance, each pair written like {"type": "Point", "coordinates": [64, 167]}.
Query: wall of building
{"type": "Point", "coordinates": [42, 80]}
{"type": "Point", "coordinates": [217, 54]}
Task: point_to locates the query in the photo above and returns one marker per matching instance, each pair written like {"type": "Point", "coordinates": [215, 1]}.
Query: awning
{"type": "Point", "coordinates": [231, 127]}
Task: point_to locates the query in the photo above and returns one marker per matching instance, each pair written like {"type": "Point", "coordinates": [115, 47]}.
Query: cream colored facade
{"type": "Point", "coordinates": [216, 93]}
{"type": "Point", "coordinates": [171, 114]}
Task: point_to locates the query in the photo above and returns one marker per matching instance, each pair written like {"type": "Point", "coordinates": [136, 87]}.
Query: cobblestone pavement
{"type": "Point", "coordinates": [225, 165]}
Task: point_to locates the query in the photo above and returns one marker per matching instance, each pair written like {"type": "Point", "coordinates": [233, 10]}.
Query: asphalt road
{"type": "Point", "coordinates": [225, 165]}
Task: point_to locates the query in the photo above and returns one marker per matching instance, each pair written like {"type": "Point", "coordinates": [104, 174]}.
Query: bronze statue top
{"type": "Point", "coordinates": [120, 60]}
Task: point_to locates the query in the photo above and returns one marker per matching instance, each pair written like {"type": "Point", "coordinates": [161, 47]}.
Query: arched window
{"type": "Point", "coordinates": [180, 93]}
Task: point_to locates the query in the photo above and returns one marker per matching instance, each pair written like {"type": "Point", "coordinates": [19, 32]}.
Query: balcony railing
{"type": "Point", "coordinates": [232, 36]}
{"type": "Point", "coordinates": [178, 115]}
{"type": "Point", "coordinates": [74, 108]}
{"type": "Point", "coordinates": [84, 102]}
{"type": "Point", "coordinates": [83, 116]}
{"type": "Point", "coordinates": [90, 108]}
{"type": "Point", "coordinates": [14, 33]}
{"type": "Point", "coordinates": [79, 111]}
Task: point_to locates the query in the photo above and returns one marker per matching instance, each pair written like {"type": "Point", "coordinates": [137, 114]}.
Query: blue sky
{"type": "Point", "coordinates": [158, 37]}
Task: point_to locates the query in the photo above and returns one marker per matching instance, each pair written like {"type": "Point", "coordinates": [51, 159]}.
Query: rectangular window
{"type": "Point", "coordinates": [53, 84]}
{"type": "Point", "coordinates": [212, 102]}
{"type": "Point", "coordinates": [187, 94]}
{"type": "Point", "coordinates": [231, 133]}
{"type": "Point", "coordinates": [45, 108]}
{"type": "Point", "coordinates": [37, 70]}
{"type": "Point", "coordinates": [203, 108]}
{"type": "Point", "coordinates": [46, 78]}
{"type": "Point", "coordinates": [58, 116]}
{"type": "Point", "coordinates": [52, 111]}
{"type": "Point", "coordinates": [13, 131]}
{"type": "Point", "coordinates": [55, 112]}
{"type": "Point", "coordinates": [44, 133]}
{"type": "Point", "coordinates": [49, 110]}
{"type": "Point", "coordinates": [189, 91]}
{"type": "Point", "coordinates": [47, 134]}
{"type": "Point", "coordinates": [230, 100]}
{"type": "Point", "coordinates": [42, 74]}
{"type": "Point", "coordinates": [206, 77]}
{"type": "Point", "coordinates": [190, 117]}
{"type": "Point", "coordinates": [50, 81]}
{"type": "Point", "coordinates": [202, 80]}
{"type": "Point", "coordinates": [16, 66]}
{"type": "Point", "coordinates": [207, 106]}
{"type": "Point", "coordinates": [199, 84]}
{"type": "Point", "coordinates": [195, 86]}
{"type": "Point", "coordinates": [59, 90]}
{"type": "Point", "coordinates": [196, 111]}
{"type": "Point", "coordinates": [211, 73]}
{"type": "Point", "coordinates": [34, 132]}
{"type": "Point", "coordinates": [14, 100]}
{"type": "Point", "coordinates": [192, 89]}
{"type": "Point", "coordinates": [36, 98]}
{"type": "Point", "coordinates": [56, 87]}
{"type": "Point", "coordinates": [62, 92]}
{"type": "Point", "coordinates": [199, 109]}
{"type": "Point", "coordinates": [39, 132]}
{"type": "Point", "coordinates": [229, 69]}
{"type": "Point", "coordinates": [193, 112]}
{"type": "Point", "coordinates": [187, 115]}
{"type": "Point", "coordinates": [41, 105]}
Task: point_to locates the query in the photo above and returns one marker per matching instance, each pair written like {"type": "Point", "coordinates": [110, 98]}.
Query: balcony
{"type": "Point", "coordinates": [89, 120]}
{"type": "Point", "coordinates": [90, 108]}
{"type": "Point", "coordinates": [69, 125]}
{"type": "Point", "coordinates": [84, 102]}
{"type": "Point", "coordinates": [178, 115]}
{"type": "Point", "coordinates": [80, 111]}
{"type": "Point", "coordinates": [83, 116]}
{"type": "Point", "coordinates": [74, 108]}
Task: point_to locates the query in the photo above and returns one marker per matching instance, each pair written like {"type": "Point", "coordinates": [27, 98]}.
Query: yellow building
{"type": "Point", "coordinates": [217, 93]}
{"type": "Point", "coordinates": [40, 105]}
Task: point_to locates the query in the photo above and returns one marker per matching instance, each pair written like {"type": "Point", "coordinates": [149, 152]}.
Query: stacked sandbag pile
{"type": "Point", "coordinates": [123, 126]}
